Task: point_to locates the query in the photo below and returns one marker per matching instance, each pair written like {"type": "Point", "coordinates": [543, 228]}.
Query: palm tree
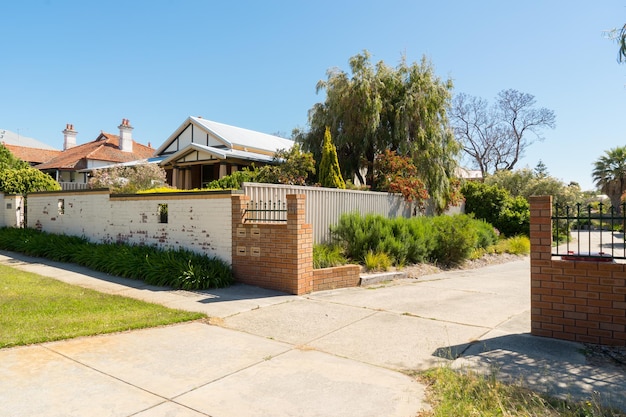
{"type": "Point", "coordinates": [609, 174]}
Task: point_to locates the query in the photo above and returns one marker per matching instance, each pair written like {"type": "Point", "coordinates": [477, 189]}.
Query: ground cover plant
{"type": "Point", "coordinates": [453, 393]}
{"type": "Point", "coordinates": [180, 269]}
{"type": "Point", "coordinates": [36, 309]}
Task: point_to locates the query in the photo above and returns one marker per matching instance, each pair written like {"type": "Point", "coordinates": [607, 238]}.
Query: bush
{"type": "Point", "coordinates": [173, 268]}
{"type": "Point", "coordinates": [447, 240]}
{"type": "Point", "coordinates": [234, 180]}
{"type": "Point", "coordinates": [327, 256]}
{"type": "Point", "coordinates": [404, 240]}
{"type": "Point", "coordinates": [455, 238]}
{"type": "Point", "coordinates": [511, 216]}
{"type": "Point", "coordinates": [517, 245]}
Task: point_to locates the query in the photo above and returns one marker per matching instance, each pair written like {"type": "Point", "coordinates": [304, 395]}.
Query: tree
{"type": "Point", "coordinates": [329, 172]}
{"type": "Point", "coordinates": [129, 179]}
{"type": "Point", "coordinates": [541, 170]}
{"type": "Point", "coordinates": [619, 35]}
{"type": "Point", "coordinates": [609, 175]}
{"type": "Point", "coordinates": [17, 177]}
{"type": "Point", "coordinates": [526, 182]}
{"type": "Point", "coordinates": [398, 174]}
{"type": "Point", "coordinates": [292, 167]}
{"type": "Point", "coordinates": [377, 108]}
{"type": "Point", "coordinates": [495, 137]}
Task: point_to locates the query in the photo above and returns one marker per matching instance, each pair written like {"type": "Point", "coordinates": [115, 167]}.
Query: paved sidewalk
{"type": "Point", "coordinates": [331, 353]}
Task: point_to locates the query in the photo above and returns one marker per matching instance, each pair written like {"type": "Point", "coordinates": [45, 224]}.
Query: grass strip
{"type": "Point", "coordinates": [36, 309]}
{"type": "Point", "coordinates": [466, 393]}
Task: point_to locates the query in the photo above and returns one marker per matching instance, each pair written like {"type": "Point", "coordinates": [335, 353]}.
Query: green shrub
{"type": "Point", "coordinates": [487, 235]}
{"type": "Point", "coordinates": [377, 261]}
{"type": "Point", "coordinates": [455, 238]}
{"type": "Point", "coordinates": [519, 245]}
{"type": "Point", "coordinates": [174, 268]}
{"type": "Point", "coordinates": [326, 256]}
{"type": "Point", "coordinates": [234, 180]}
{"type": "Point", "coordinates": [511, 216]}
{"type": "Point", "coordinates": [403, 240]}
{"type": "Point", "coordinates": [448, 240]}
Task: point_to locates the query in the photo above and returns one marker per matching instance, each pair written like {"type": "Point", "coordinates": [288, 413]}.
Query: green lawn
{"type": "Point", "coordinates": [35, 309]}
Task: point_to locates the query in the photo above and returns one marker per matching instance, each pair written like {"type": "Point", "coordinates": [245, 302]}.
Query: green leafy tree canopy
{"type": "Point", "coordinates": [609, 174]}
{"type": "Point", "coordinates": [376, 108]}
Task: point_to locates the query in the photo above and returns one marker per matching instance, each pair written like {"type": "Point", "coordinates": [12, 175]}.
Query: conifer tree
{"type": "Point", "coordinates": [330, 174]}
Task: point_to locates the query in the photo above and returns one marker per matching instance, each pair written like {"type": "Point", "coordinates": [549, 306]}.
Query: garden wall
{"type": "Point", "coordinates": [276, 255]}
{"type": "Point", "coordinates": [200, 222]}
{"type": "Point", "coordinates": [279, 255]}
{"type": "Point", "coordinates": [12, 207]}
{"type": "Point", "coordinates": [582, 301]}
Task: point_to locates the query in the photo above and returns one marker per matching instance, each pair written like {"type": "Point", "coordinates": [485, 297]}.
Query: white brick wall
{"type": "Point", "coordinates": [200, 222]}
{"type": "Point", "coordinates": [11, 210]}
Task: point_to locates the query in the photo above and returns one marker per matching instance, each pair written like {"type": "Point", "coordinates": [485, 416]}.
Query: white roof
{"type": "Point", "coordinates": [244, 137]}
{"type": "Point", "coordinates": [233, 136]}
{"type": "Point", "coordinates": [15, 139]}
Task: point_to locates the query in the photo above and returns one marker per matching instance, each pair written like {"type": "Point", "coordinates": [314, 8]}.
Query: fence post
{"type": "Point", "coordinates": [540, 258]}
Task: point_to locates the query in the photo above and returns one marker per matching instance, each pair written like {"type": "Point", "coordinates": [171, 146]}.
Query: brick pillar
{"type": "Point", "coordinates": [301, 239]}
{"type": "Point", "coordinates": [277, 256]}
{"type": "Point", "coordinates": [540, 257]}
{"type": "Point", "coordinates": [540, 230]}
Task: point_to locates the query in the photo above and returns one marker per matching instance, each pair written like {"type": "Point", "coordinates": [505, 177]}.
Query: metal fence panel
{"type": "Point", "coordinates": [589, 232]}
{"type": "Point", "coordinates": [324, 206]}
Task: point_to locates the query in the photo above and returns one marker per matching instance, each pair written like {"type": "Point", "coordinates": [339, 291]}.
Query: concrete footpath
{"type": "Point", "coordinates": [330, 353]}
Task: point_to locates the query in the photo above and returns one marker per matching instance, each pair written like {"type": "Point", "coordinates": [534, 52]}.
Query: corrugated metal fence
{"type": "Point", "coordinates": [324, 206]}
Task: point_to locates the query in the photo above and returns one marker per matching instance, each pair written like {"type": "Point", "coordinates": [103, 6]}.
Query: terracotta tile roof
{"type": "Point", "coordinates": [32, 155]}
{"type": "Point", "coordinates": [104, 148]}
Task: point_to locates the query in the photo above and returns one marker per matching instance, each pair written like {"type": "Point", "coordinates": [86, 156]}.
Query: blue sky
{"type": "Point", "coordinates": [255, 64]}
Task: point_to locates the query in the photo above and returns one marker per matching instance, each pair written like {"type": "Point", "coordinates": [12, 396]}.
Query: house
{"type": "Point", "coordinates": [73, 163]}
{"type": "Point", "coordinates": [201, 151]}
{"type": "Point", "coordinates": [27, 149]}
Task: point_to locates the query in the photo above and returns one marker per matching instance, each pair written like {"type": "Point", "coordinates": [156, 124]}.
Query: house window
{"type": "Point", "coordinates": [9, 206]}
{"type": "Point", "coordinates": [61, 206]}
{"type": "Point", "coordinates": [162, 213]}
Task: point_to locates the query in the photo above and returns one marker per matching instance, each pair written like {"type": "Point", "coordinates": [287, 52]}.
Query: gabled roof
{"type": "Point", "coordinates": [104, 148]}
{"type": "Point", "coordinates": [217, 153]}
{"type": "Point", "coordinates": [32, 155]}
{"type": "Point", "coordinates": [232, 137]}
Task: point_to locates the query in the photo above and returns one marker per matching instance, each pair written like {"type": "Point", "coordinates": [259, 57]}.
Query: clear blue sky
{"type": "Point", "coordinates": [255, 64]}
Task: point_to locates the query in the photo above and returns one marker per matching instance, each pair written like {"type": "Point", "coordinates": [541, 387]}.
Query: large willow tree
{"type": "Point", "coordinates": [376, 108]}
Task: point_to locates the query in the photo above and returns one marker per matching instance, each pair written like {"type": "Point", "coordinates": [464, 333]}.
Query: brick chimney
{"type": "Point", "coordinates": [126, 136]}
{"type": "Point", "coordinates": [69, 137]}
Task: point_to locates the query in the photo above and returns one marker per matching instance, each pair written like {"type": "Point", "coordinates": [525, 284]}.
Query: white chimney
{"type": "Point", "coordinates": [126, 136]}
{"type": "Point", "coordinates": [69, 137]}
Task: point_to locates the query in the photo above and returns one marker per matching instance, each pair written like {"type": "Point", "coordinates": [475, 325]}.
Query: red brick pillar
{"type": "Point", "coordinates": [273, 255]}
{"type": "Point", "coordinates": [540, 258]}
{"type": "Point", "coordinates": [301, 243]}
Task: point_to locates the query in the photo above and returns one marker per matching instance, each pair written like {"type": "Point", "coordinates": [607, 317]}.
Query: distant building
{"type": "Point", "coordinates": [469, 174]}
{"type": "Point", "coordinates": [200, 151]}
{"type": "Point", "coordinates": [27, 149]}
{"type": "Point", "coordinates": [69, 165]}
